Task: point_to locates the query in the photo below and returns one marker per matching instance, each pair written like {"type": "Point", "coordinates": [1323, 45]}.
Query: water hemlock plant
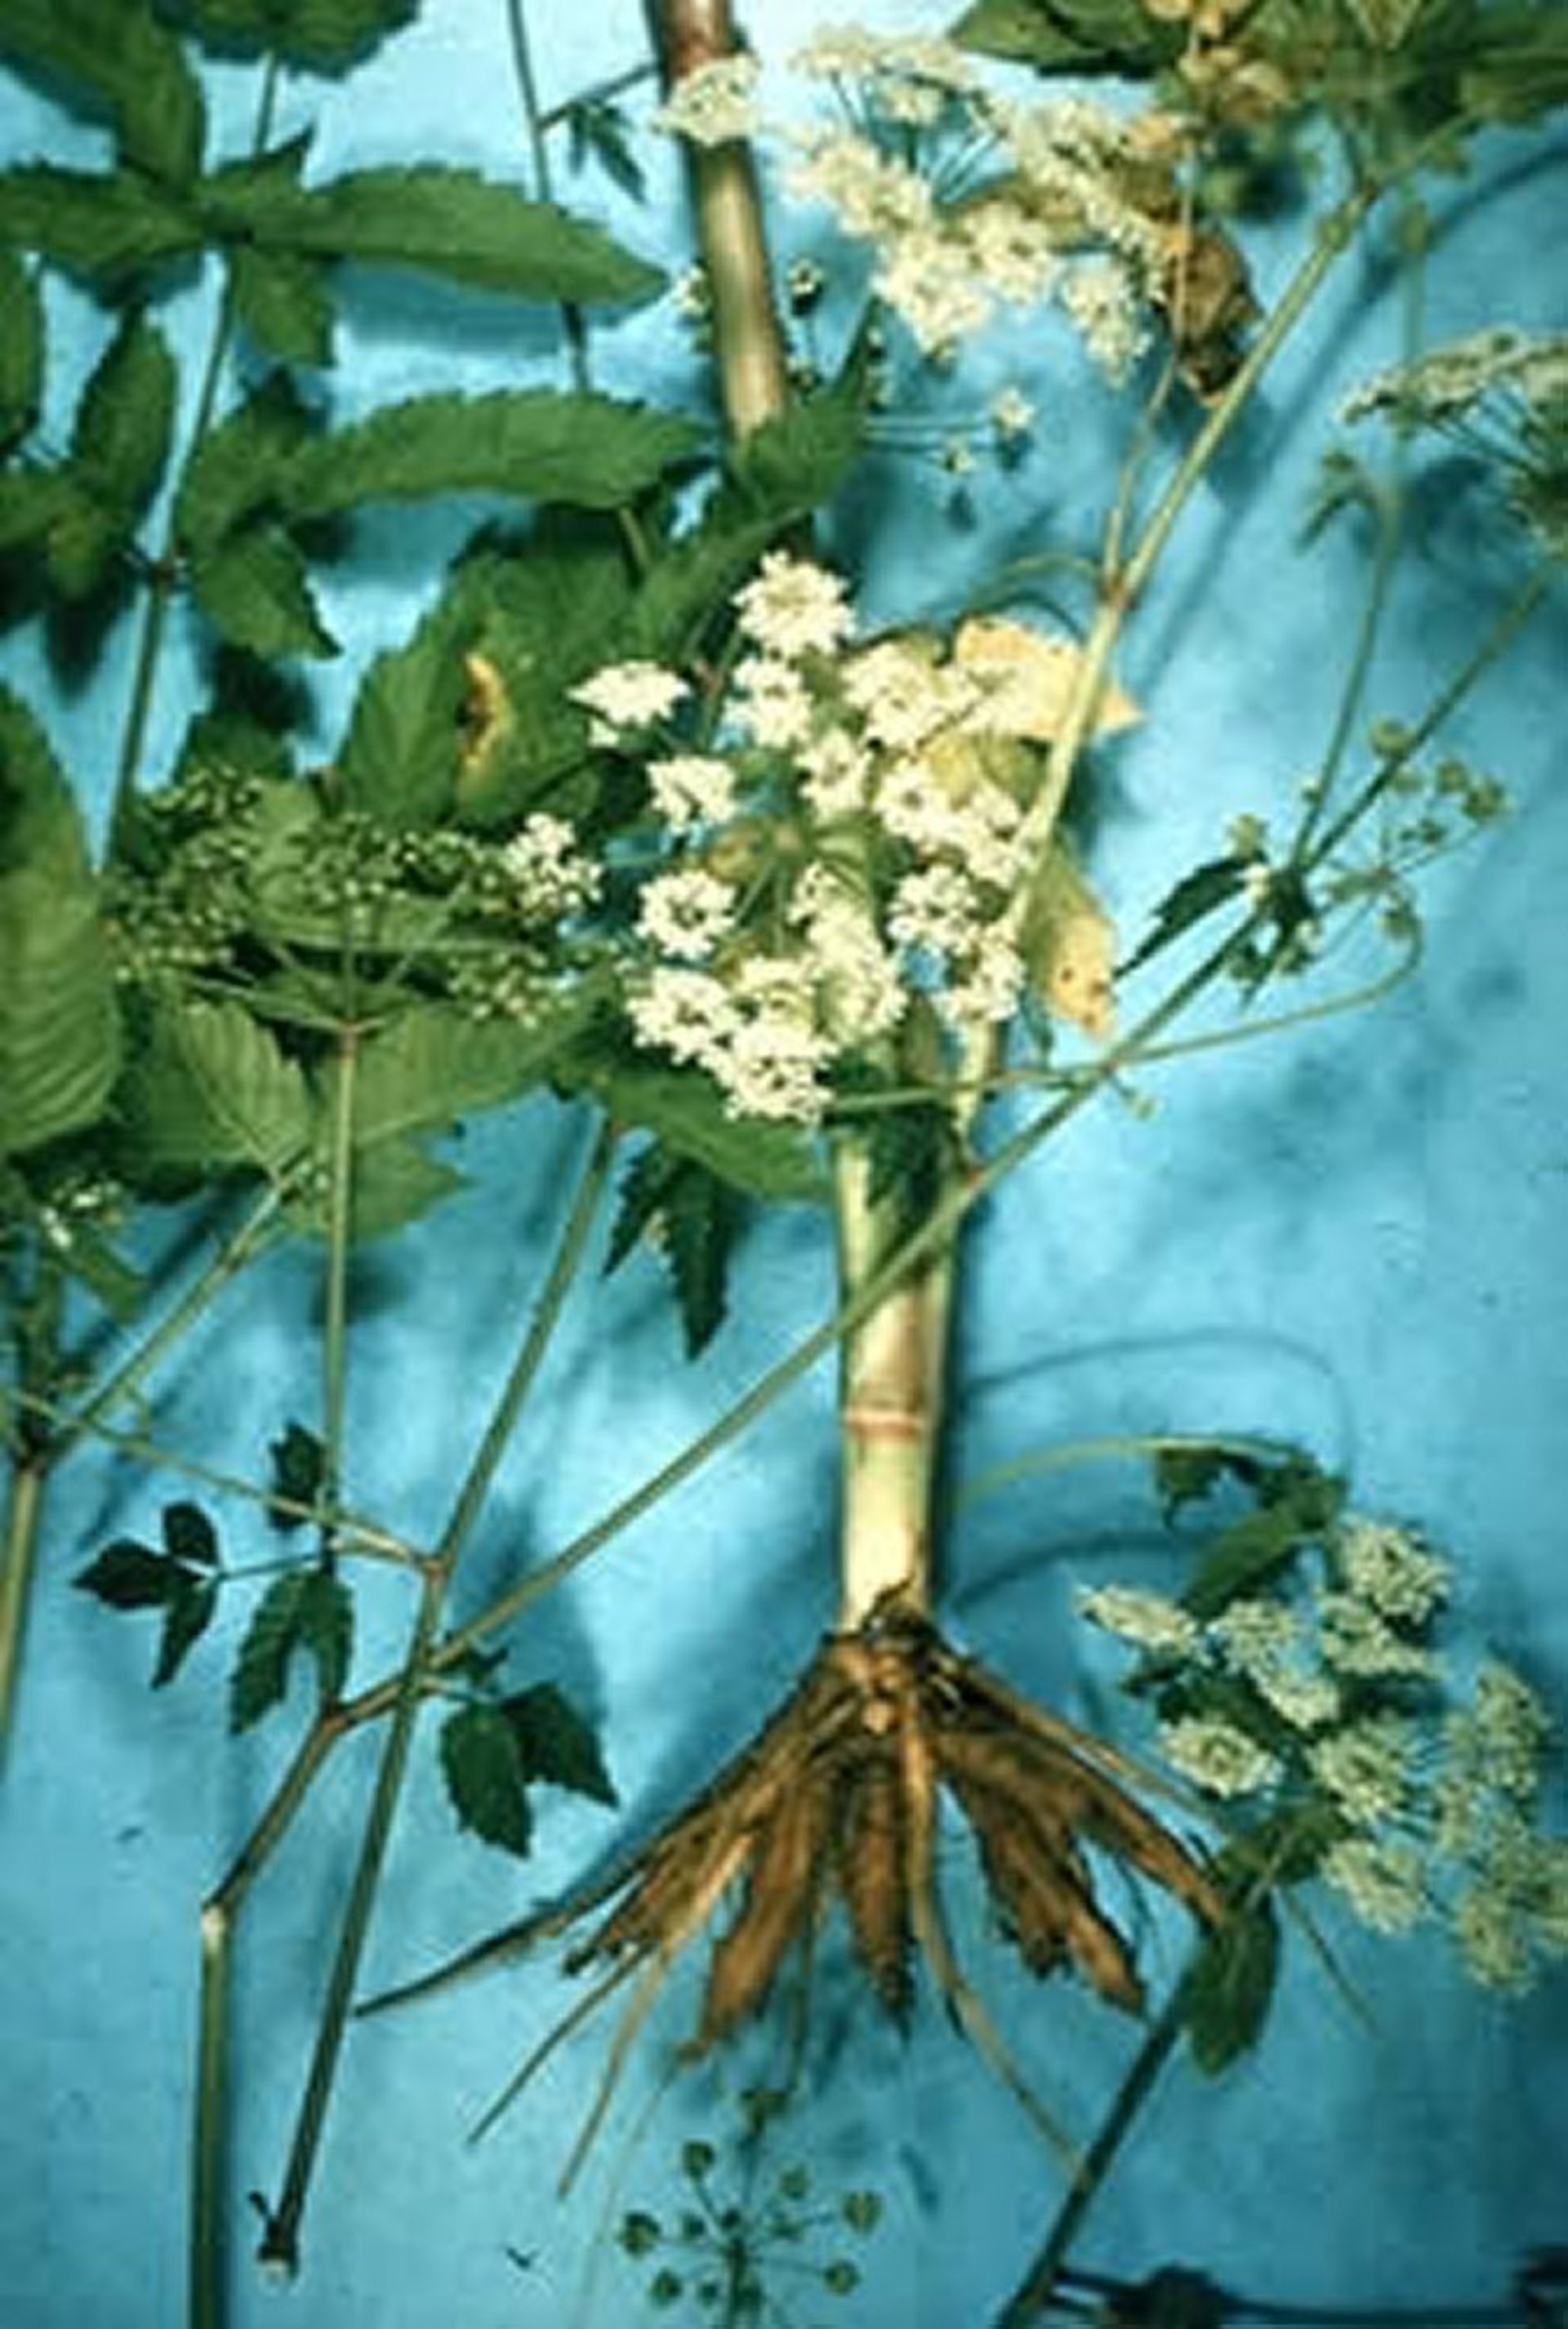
{"type": "Point", "coordinates": [661, 815]}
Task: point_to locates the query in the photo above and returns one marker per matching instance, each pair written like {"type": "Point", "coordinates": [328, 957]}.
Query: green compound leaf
{"type": "Point", "coordinates": [556, 1745]}
{"type": "Point", "coordinates": [1512, 62]}
{"type": "Point", "coordinates": [60, 1029]}
{"type": "Point", "coordinates": [284, 303]}
{"type": "Point", "coordinates": [482, 1765]}
{"type": "Point", "coordinates": [1070, 36]}
{"type": "Point", "coordinates": [21, 350]}
{"type": "Point", "coordinates": [693, 1218]}
{"type": "Point", "coordinates": [108, 230]}
{"type": "Point", "coordinates": [209, 1089]}
{"type": "Point", "coordinates": [399, 761]}
{"type": "Point", "coordinates": [1229, 1987]}
{"type": "Point", "coordinates": [126, 1575]}
{"type": "Point", "coordinates": [126, 65]}
{"type": "Point", "coordinates": [191, 1611]}
{"type": "Point", "coordinates": [533, 444]}
{"type": "Point", "coordinates": [34, 503]}
{"type": "Point", "coordinates": [1196, 896]}
{"type": "Point", "coordinates": [124, 423]}
{"type": "Point", "coordinates": [189, 1535]}
{"type": "Point", "coordinates": [323, 36]}
{"type": "Point", "coordinates": [307, 1609]}
{"type": "Point", "coordinates": [242, 466]}
{"type": "Point", "coordinates": [298, 1466]}
{"type": "Point", "coordinates": [395, 1182]}
{"type": "Point", "coordinates": [255, 591]}
{"type": "Point", "coordinates": [453, 223]}
{"type": "Point", "coordinates": [434, 1064]}
{"type": "Point", "coordinates": [761, 1160]}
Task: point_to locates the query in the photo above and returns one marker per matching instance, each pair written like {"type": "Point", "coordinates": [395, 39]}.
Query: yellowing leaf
{"type": "Point", "coordinates": [1029, 680]}
{"type": "Point", "coordinates": [1070, 946]}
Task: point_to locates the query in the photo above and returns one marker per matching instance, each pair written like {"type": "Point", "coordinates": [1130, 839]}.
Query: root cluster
{"type": "Point", "coordinates": [838, 1798]}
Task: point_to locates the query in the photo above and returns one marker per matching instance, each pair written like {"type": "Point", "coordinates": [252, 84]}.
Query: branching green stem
{"type": "Point", "coordinates": [334, 1322]}
{"type": "Point", "coordinates": [280, 2239]}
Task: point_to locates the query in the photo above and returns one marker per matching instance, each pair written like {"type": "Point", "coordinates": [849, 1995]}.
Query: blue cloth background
{"type": "Point", "coordinates": [1354, 1235]}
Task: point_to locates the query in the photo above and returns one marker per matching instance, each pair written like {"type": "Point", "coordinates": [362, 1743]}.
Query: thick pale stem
{"type": "Point", "coordinates": [890, 1406]}
{"type": "Point", "coordinates": [748, 349]}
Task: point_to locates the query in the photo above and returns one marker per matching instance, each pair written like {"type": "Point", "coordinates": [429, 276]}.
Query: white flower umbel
{"type": "Point", "coordinates": [627, 697]}
{"type": "Point", "coordinates": [716, 104]}
{"type": "Point", "coordinates": [686, 913]}
{"type": "Point", "coordinates": [936, 909]}
{"type": "Point", "coordinates": [552, 876]}
{"type": "Point", "coordinates": [770, 704]}
{"type": "Point", "coordinates": [794, 607]}
{"type": "Point", "coordinates": [835, 775]}
{"type": "Point", "coordinates": [772, 1069]}
{"type": "Point", "coordinates": [1391, 1568]}
{"type": "Point", "coordinates": [692, 788]}
{"type": "Point", "coordinates": [1367, 1767]}
{"type": "Point", "coordinates": [689, 1013]}
{"type": "Point", "coordinates": [1150, 1620]}
{"type": "Point", "coordinates": [1381, 1881]}
{"type": "Point", "coordinates": [1217, 1757]}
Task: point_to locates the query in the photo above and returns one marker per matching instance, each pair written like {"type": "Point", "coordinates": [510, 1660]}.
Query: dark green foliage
{"type": "Point", "coordinates": [1070, 37]}
{"type": "Point", "coordinates": [493, 1750]}
{"type": "Point", "coordinates": [60, 1025]}
{"type": "Point", "coordinates": [180, 1579]}
{"type": "Point", "coordinates": [596, 131]}
{"type": "Point", "coordinates": [242, 470]}
{"type": "Point", "coordinates": [1192, 899]}
{"type": "Point", "coordinates": [123, 422]}
{"type": "Point", "coordinates": [308, 1610]}
{"type": "Point", "coordinates": [911, 1151]}
{"type": "Point", "coordinates": [1186, 1476]}
{"type": "Point", "coordinates": [1297, 1504]}
{"type": "Point", "coordinates": [452, 224]}
{"type": "Point", "coordinates": [555, 1745]}
{"type": "Point", "coordinates": [482, 1769]}
{"type": "Point", "coordinates": [323, 36]}
{"type": "Point", "coordinates": [117, 57]}
{"type": "Point", "coordinates": [774, 479]}
{"type": "Point", "coordinates": [108, 229]}
{"type": "Point", "coordinates": [210, 1088]}
{"type": "Point", "coordinates": [21, 350]}
{"type": "Point", "coordinates": [298, 1463]}
{"type": "Point", "coordinates": [284, 303]}
{"type": "Point", "coordinates": [399, 761]}
{"type": "Point", "coordinates": [1229, 1988]}
{"type": "Point", "coordinates": [531, 443]}
{"type": "Point", "coordinates": [761, 1160]}
{"type": "Point", "coordinates": [693, 1218]}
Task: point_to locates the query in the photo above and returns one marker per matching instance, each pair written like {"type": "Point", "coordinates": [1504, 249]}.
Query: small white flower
{"type": "Point", "coordinates": [689, 1013]}
{"type": "Point", "coordinates": [770, 1070]}
{"type": "Point", "coordinates": [1100, 298]}
{"type": "Point", "coordinates": [773, 709]}
{"type": "Point", "coordinates": [936, 909]}
{"type": "Point", "coordinates": [686, 913]}
{"type": "Point", "coordinates": [1217, 1757]}
{"type": "Point", "coordinates": [1255, 1634]}
{"type": "Point", "coordinates": [794, 607]}
{"type": "Point", "coordinates": [1391, 1568]}
{"type": "Point", "coordinates": [692, 788]}
{"type": "Point", "coordinates": [625, 697]}
{"type": "Point", "coordinates": [1012, 414]}
{"type": "Point", "coordinates": [1151, 1620]}
{"type": "Point", "coordinates": [1366, 1767]}
{"type": "Point", "coordinates": [714, 103]}
{"type": "Point", "coordinates": [836, 773]}
{"type": "Point", "coordinates": [1382, 1881]}
{"type": "Point", "coordinates": [551, 877]}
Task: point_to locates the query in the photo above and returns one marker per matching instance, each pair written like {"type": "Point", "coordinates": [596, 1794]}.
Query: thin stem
{"type": "Point", "coordinates": [163, 570]}
{"type": "Point", "coordinates": [335, 1326]}
{"type": "Point", "coordinates": [233, 1256]}
{"type": "Point", "coordinates": [573, 322]}
{"type": "Point", "coordinates": [206, 2252]}
{"type": "Point", "coordinates": [24, 1517]}
{"type": "Point", "coordinates": [1034, 2292]}
{"type": "Point", "coordinates": [280, 2239]}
